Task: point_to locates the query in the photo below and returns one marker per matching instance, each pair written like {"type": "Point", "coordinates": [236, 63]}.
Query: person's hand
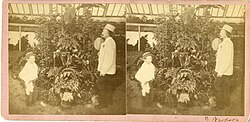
{"type": "Point", "coordinates": [102, 74]}
{"type": "Point", "coordinates": [219, 75]}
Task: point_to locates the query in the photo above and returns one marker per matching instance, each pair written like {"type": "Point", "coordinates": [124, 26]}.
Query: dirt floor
{"type": "Point", "coordinates": [17, 103]}
{"type": "Point", "coordinates": [235, 108]}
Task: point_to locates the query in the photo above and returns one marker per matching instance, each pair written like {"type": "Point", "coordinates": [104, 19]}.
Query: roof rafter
{"type": "Point", "coordinates": [119, 10]}
{"type": "Point", "coordinates": [10, 9]}
{"type": "Point", "coordinates": [233, 10]}
{"type": "Point", "coordinates": [225, 11]}
{"type": "Point", "coordinates": [105, 10]}
{"type": "Point", "coordinates": [113, 10]}
{"type": "Point", "coordinates": [150, 9]}
{"type": "Point", "coordinates": [239, 10]}
{"type": "Point", "coordinates": [17, 8]}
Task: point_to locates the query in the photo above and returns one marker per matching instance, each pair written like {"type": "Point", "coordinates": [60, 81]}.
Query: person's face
{"type": "Point", "coordinates": [105, 33]}
{"type": "Point", "coordinates": [223, 34]}
{"type": "Point", "coordinates": [32, 59]}
{"type": "Point", "coordinates": [148, 59]}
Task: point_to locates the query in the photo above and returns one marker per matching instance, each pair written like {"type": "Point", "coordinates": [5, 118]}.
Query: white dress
{"type": "Point", "coordinates": [29, 73]}
{"type": "Point", "coordinates": [145, 74]}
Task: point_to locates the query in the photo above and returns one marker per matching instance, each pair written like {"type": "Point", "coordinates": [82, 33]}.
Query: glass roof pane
{"type": "Point", "coordinates": [154, 9]}
{"type": "Point", "coordinates": [239, 10]}
{"type": "Point", "coordinates": [119, 9]}
{"type": "Point", "coordinates": [166, 8]}
{"type": "Point", "coordinates": [59, 9]}
{"type": "Point", "coordinates": [179, 8]}
{"type": "Point", "coordinates": [101, 10]}
{"type": "Point", "coordinates": [242, 11]}
{"type": "Point", "coordinates": [122, 10]}
{"type": "Point", "coordinates": [14, 8]}
{"type": "Point", "coordinates": [236, 11]}
{"type": "Point", "coordinates": [230, 10]}
{"type": "Point", "coordinates": [46, 8]}
{"type": "Point", "coordinates": [220, 13]}
{"type": "Point", "coordinates": [40, 9]}
{"type": "Point", "coordinates": [91, 9]}
{"type": "Point", "coordinates": [214, 11]}
{"type": "Point", "coordinates": [34, 8]}
{"type": "Point", "coordinates": [26, 9]}
{"type": "Point", "coordinates": [210, 10]}
{"type": "Point", "coordinates": [140, 8]}
{"type": "Point", "coordinates": [160, 8]}
{"type": "Point", "coordinates": [95, 10]}
{"type": "Point", "coordinates": [116, 10]}
{"type": "Point", "coordinates": [134, 9]}
{"type": "Point", "coordinates": [146, 8]}
{"type": "Point", "coordinates": [20, 8]}
{"type": "Point", "coordinates": [127, 9]}
{"type": "Point", "coordinates": [110, 9]}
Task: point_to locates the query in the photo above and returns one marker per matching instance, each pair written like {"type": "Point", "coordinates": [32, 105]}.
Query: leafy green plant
{"type": "Point", "coordinates": [184, 57]}
{"type": "Point", "coordinates": [66, 55]}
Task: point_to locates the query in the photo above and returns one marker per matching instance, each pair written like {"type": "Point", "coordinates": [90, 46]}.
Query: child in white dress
{"type": "Point", "coordinates": [29, 74]}
{"type": "Point", "coordinates": [146, 73]}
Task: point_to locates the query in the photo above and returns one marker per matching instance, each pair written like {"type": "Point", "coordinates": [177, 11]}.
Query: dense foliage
{"type": "Point", "coordinates": [185, 58]}
{"type": "Point", "coordinates": [66, 56]}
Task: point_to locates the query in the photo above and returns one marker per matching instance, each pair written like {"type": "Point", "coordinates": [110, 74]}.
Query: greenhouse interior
{"type": "Point", "coordinates": [173, 34]}
{"type": "Point", "coordinates": [62, 37]}
{"type": "Point", "coordinates": [22, 17]}
{"type": "Point", "coordinates": [145, 14]}
{"type": "Point", "coordinates": [179, 38]}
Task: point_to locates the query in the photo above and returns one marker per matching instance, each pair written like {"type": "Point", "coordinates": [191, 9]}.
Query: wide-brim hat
{"type": "Point", "coordinates": [110, 28]}
{"type": "Point", "coordinates": [215, 43]}
{"type": "Point", "coordinates": [98, 42]}
{"type": "Point", "coordinates": [27, 56]}
{"type": "Point", "coordinates": [146, 54]}
{"type": "Point", "coordinates": [227, 28]}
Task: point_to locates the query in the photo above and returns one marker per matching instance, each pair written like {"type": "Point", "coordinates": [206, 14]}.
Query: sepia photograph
{"type": "Point", "coordinates": [66, 59]}
{"type": "Point", "coordinates": [185, 59]}
{"type": "Point", "coordinates": [146, 60]}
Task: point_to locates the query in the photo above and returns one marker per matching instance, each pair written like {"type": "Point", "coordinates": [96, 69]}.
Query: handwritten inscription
{"type": "Point", "coordinates": [220, 119]}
